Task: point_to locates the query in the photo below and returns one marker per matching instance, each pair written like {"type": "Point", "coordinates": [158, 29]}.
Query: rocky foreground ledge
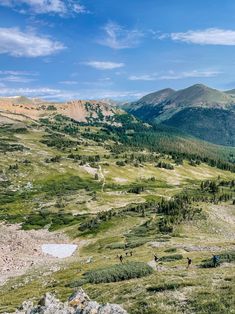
{"type": "Point", "coordinates": [78, 303]}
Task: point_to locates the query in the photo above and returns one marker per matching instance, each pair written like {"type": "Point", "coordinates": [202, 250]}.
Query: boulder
{"type": "Point", "coordinates": [78, 303]}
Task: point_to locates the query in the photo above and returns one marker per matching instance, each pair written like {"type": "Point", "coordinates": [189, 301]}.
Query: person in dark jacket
{"type": "Point", "coordinates": [189, 262]}
{"type": "Point", "coordinates": [215, 260]}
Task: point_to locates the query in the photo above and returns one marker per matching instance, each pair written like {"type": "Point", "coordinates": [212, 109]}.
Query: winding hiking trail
{"type": "Point", "coordinates": [102, 177]}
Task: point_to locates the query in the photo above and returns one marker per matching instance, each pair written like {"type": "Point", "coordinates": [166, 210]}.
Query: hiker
{"type": "Point", "coordinates": [215, 260]}
{"type": "Point", "coordinates": [131, 253]}
{"type": "Point", "coordinates": [156, 258]}
{"type": "Point", "coordinates": [189, 262]}
{"type": "Point", "coordinates": [126, 253]}
{"type": "Point", "coordinates": [121, 258]}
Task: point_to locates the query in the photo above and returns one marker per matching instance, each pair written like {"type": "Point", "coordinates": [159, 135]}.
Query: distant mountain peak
{"type": "Point", "coordinates": [198, 110]}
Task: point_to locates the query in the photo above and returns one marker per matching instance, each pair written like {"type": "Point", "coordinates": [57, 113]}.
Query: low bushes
{"type": "Point", "coordinates": [168, 286]}
{"type": "Point", "coordinates": [116, 246]}
{"type": "Point", "coordinates": [171, 250]}
{"type": "Point", "coordinates": [227, 257]}
{"type": "Point", "coordinates": [164, 165]}
{"type": "Point", "coordinates": [39, 220]}
{"type": "Point", "coordinates": [133, 243]}
{"type": "Point", "coordinates": [115, 273]}
{"type": "Point", "coordinates": [170, 258]}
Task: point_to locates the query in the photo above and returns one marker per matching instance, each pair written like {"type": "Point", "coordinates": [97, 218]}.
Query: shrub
{"type": "Point", "coordinates": [168, 286]}
{"type": "Point", "coordinates": [51, 107]}
{"type": "Point", "coordinates": [120, 163]}
{"type": "Point", "coordinates": [227, 257]}
{"type": "Point", "coordinates": [136, 189]}
{"type": "Point", "coordinates": [115, 273]}
{"type": "Point", "coordinates": [170, 258]}
{"type": "Point", "coordinates": [115, 246]}
{"type": "Point", "coordinates": [132, 243]}
{"type": "Point", "coordinates": [171, 250]}
{"type": "Point", "coordinates": [164, 165]}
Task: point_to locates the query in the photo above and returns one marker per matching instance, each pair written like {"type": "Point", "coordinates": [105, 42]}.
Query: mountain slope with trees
{"type": "Point", "coordinates": [198, 110]}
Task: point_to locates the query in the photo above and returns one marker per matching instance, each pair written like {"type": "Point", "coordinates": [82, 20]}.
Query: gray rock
{"type": "Point", "coordinates": [78, 303]}
{"type": "Point", "coordinates": [111, 309]}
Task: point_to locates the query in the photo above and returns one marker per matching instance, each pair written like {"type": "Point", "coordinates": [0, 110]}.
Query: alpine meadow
{"type": "Point", "coordinates": [117, 157]}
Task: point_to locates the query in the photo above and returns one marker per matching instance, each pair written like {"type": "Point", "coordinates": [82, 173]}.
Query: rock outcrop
{"type": "Point", "coordinates": [78, 303]}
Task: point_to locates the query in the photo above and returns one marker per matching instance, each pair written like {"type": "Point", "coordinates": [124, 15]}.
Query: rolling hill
{"type": "Point", "coordinates": [198, 110]}
{"type": "Point", "coordinates": [113, 123]}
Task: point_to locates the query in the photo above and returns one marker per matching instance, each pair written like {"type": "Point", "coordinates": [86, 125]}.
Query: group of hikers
{"type": "Point", "coordinates": [215, 259]}
{"type": "Point", "coordinates": [127, 254]}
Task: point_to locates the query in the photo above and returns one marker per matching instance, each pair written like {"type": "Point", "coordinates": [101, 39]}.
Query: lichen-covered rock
{"type": "Point", "coordinates": [78, 303]}
{"type": "Point", "coordinates": [47, 305]}
{"type": "Point", "coordinates": [112, 308]}
{"type": "Point", "coordinates": [79, 299]}
{"type": "Point", "coordinates": [91, 307]}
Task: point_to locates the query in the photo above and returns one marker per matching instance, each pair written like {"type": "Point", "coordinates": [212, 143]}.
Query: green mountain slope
{"type": "Point", "coordinates": [198, 110]}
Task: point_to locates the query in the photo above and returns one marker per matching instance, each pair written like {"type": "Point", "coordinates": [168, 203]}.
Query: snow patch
{"type": "Point", "coordinates": [59, 250]}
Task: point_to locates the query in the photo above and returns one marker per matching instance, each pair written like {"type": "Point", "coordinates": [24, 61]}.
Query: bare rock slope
{"type": "Point", "coordinates": [79, 110]}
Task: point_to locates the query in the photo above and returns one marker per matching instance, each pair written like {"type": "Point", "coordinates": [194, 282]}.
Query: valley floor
{"type": "Point", "coordinates": [105, 198]}
{"type": "Point", "coordinates": [172, 287]}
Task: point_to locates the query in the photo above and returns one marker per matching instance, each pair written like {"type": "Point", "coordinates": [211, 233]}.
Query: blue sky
{"type": "Point", "coordinates": [119, 49]}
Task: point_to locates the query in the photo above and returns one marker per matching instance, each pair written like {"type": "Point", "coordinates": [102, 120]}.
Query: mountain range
{"type": "Point", "coordinates": [20, 108]}
{"type": "Point", "coordinates": [198, 110]}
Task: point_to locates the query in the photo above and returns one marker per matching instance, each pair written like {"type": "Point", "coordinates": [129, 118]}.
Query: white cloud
{"type": "Point", "coordinates": [26, 44]}
{"type": "Point", "coordinates": [104, 65]}
{"type": "Point", "coordinates": [188, 74]}
{"type": "Point", "coordinates": [40, 92]}
{"type": "Point", "coordinates": [78, 8]}
{"type": "Point", "coordinates": [15, 72]}
{"type": "Point", "coordinates": [60, 7]}
{"type": "Point", "coordinates": [69, 82]}
{"type": "Point", "coordinates": [143, 77]}
{"type": "Point", "coordinates": [117, 37]}
{"type": "Point", "coordinates": [172, 75]}
{"type": "Point", "coordinates": [210, 36]}
{"type": "Point", "coordinates": [16, 79]}
{"type": "Point", "coordinates": [60, 94]}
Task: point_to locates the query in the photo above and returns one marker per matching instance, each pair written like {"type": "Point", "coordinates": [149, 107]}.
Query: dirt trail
{"type": "Point", "coordinates": [102, 177]}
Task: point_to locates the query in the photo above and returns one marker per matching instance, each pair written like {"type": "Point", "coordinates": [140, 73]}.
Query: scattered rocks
{"type": "Point", "coordinates": [20, 250]}
{"type": "Point", "coordinates": [78, 303]}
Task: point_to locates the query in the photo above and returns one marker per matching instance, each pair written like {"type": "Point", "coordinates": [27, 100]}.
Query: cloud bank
{"type": "Point", "coordinates": [17, 43]}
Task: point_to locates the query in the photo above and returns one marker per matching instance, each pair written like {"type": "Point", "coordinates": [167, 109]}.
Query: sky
{"type": "Point", "coordinates": [120, 49]}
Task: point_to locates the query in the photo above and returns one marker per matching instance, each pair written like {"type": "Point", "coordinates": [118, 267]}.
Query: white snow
{"type": "Point", "coordinates": [59, 250]}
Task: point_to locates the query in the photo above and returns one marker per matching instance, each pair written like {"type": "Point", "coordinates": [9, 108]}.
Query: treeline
{"type": "Point", "coordinates": [132, 134]}
{"type": "Point", "coordinates": [93, 223]}
{"type": "Point", "coordinates": [62, 124]}
{"type": "Point", "coordinates": [84, 158]}
{"type": "Point", "coordinates": [59, 141]}
{"type": "Point", "coordinates": [137, 135]}
{"type": "Point", "coordinates": [175, 211]}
